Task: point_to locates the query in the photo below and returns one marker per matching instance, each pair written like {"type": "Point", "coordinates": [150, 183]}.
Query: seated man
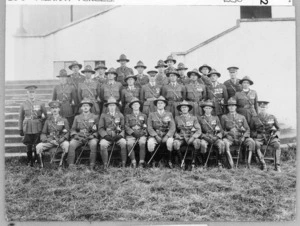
{"type": "Point", "coordinates": [188, 131]}
{"type": "Point", "coordinates": [136, 131]}
{"type": "Point", "coordinates": [212, 133]}
{"type": "Point", "coordinates": [55, 133]}
{"type": "Point", "coordinates": [161, 128]}
{"type": "Point", "coordinates": [265, 130]}
{"type": "Point", "coordinates": [84, 132]}
{"type": "Point", "coordinates": [111, 130]}
{"type": "Point", "coordinates": [236, 130]}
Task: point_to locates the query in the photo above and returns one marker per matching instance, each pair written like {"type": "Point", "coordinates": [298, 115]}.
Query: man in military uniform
{"type": "Point", "coordinates": [247, 99]}
{"type": "Point", "coordinates": [111, 130]}
{"type": "Point", "coordinates": [100, 76]}
{"type": "Point", "coordinates": [173, 92]}
{"type": "Point", "coordinates": [142, 79]}
{"type": "Point", "coordinates": [161, 77]}
{"type": "Point", "coordinates": [123, 70]}
{"type": "Point", "coordinates": [31, 116]}
{"type": "Point", "coordinates": [212, 133]}
{"type": "Point", "coordinates": [111, 89]}
{"type": "Point", "coordinates": [236, 130]}
{"type": "Point", "coordinates": [128, 93]}
{"type": "Point", "coordinates": [66, 94]}
{"type": "Point", "coordinates": [265, 130]}
{"type": "Point", "coordinates": [136, 132]}
{"type": "Point", "coordinates": [195, 92]}
{"type": "Point", "coordinates": [84, 132]}
{"type": "Point", "coordinates": [205, 70]}
{"type": "Point", "coordinates": [88, 89]}
{"type": "Point", "coordinates": [217, 92]}
{"type": "Point", "coordinates": [161, 129]}
{"type": "Point", "coordinates": [183, 79]}
{"type": "Point", "coordinates": [170, 62]}
{"type": "Point", "coordinates": [150, 92]}
{"type": "Point", "coordinates": [233, 84]}
{"type": "Point", "coordinates": [56, 132]}
{"type": "Point", "coordinates": [188, 131]}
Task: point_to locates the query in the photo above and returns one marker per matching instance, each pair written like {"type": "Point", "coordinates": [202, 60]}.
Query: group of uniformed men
{"type": "Point", "coordinates": [167, 107]}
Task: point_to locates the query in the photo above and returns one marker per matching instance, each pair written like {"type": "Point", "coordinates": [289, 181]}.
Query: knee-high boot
{"type": "Point", "coordinates": [29, 155]}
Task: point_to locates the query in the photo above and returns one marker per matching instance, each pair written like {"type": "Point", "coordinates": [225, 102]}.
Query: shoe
{"type": "Point", "coordinates": [248, 166]}
{"type": "Point", "coordinates": [170, 165]}
{"type": "Point", "coordinates": [133, 165]}
{"type": "Point", "coordinates": [263, 166]}
{"type": "Point", "coordinates": [123, 165]}
{"type": "Point", "coordinates": [278, 169]}
{"type": "Point", "coordinates": [193, 168]}
{"type": "Point", "coordinates": [141, 165]}
{"type": "Point", "coordinates": [220, 167]}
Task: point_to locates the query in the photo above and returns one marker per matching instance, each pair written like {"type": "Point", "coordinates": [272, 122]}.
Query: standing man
{"type": "Point", "coordinates": [31, 116]}
{"type": "Point", "coordinates": [129, 93]}
{"type": "Point", "coordinates": [110, 89]}
{"type": "Point", "coordinates": [183, 79]}
{"type": "Point", "coordinates": [161, 129]}
{"type": "Point", "coordinates": [212, 133]}
{"type": "Point", "coordinates": [217, 92]}
{"type": "Point", "coordinates": [56, 132]}
{"type": "Point", "coordinates": [195, 92]}
{"type": "Point", "coordinates": [88, 89]}
{"type": "Point", "coordinates": [142, 79]}
{"type": "Point", "coordinates": [170, 62]}
{"type": "Point", "coordinates": [66, 94]}
{"type": "Point", "coordinates": [123, 70]}
{"type": "Point", "coordinates": [236, 130]}
{"type": "Point", "coordinates": [247, 99]}
{"type": "Point", "coordinates": [205, 70]}
{"type": "Point", "coordinates": [111, 130]}
{"type": "Point", "coordinates": [84, 132]}
{"type": "Point", "coordinates": [173, 92]}
{"type": "Point", "coordinates": [265, 130]}
{"type": "Point", "coordinates": [188, 131]}
{"type": "Point", "coordinates": [100, 76]}
{"type": "Point", "coordinates": [136, 132]}
{"type": "Point", "coordinates": [161, 77]}
{"type": "Point", "coordinates": [233, 84]}
{"type": "Point", "coordinates": [150, 92]}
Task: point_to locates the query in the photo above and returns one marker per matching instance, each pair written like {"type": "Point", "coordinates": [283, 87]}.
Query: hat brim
{"type": "Point", "coordinates": [183, 68]}
{"type": "Point", "coordinates": [100, 67]}
{"type": "Point", "coordinates": [216, 73]}
{"type": "Point", "coordinates": [136, 101]}
{"type": "Point", "coordinates": [189, 74]}
{"type": "Point", "coordinates": [155, 102]}
{"type": "Point", "coordinates": [63, 76]}
{"type": "Point", "coordinates": [91, 71]}
{"type": "Point", "coordinates": [122, 60]}
{"type": "Point", "coordinates": [200, 68]}
{"type": "Point", "coordinates": [250, 81]}
{"type": "Point", "coordinates": [170, 60]}
{"type": "Point", "coordinates": [152, 72]}
{"type": "Point", "coordinates": [30, 87]}
{"type": "Point", "coordinates": [207, 105]}
{"type": "Point", "coordinates": [236, 68]}
{"type": "Point", "coordinates": [109, 72]}
{"type": "Point", "coordinates": [188, 105]}
{"type": "Point", "coordinates": [135, 67]}
{"type": "Point", "coordinates": [263, 102]}
{"type": "Point", "coordinates": [175, 73]}
{"type": "Point", "coordinates": [134, 77]}
{"type": "Point", "coordinates": [157, 66]}
{"type": "Point", "coordinates": [91, 104]}
{"type": "Point", "coordinates": [106, 104]}
{"type": "Point", "coordinates": [72, 65]}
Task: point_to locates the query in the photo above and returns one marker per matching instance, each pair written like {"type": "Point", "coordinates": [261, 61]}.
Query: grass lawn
{"type": "Point", "coordinates": [151, 194]}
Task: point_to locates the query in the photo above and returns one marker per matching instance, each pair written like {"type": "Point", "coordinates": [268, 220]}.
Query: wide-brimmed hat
{"type": "Point", "coordinates": [207, 103]}
{"type": "Point", "coordinates": [151, 72]}
{"type": "Point", "coordinates": [181, 66]}
{"type": "Point", "coordinates": [130, 76]}
{"type": "Point", "coordinates": [246, 78]}
{"type": "Point", "coordinates": [205, 65]}
{"type": "Point", "coordinates": [233, 67]}
{"type": "Point", "coordinates": [170, 58]}
{"type": "Point", "coordinates": [231, 101]}
{"type": "Point", "coordinates": [122, 58]}
{"type": "Point", "coordinates": [161, 98]}
{"type": "Point", "coordinates": [172, 70]}
{"type": "Point", "coordinates": [194, 71]}
{"type": "Point", "coordinates": [213, 71]}
{"type": "Point", "coordinates": [262, 103]}
{"type": "Point", "coordinates": [88, 68]}
{"type": "Point", "coordinates": [184, 103]}
{"type": "Point", "coordinates": [111, 100]}
{"type": "Point", "coordinates": [134, 100]}
{"type": "Point", "coordinates": [54, 104]}
{"type": "Point", "coordinates": [111, 71]}
{"type": "Point", "coordinates": [160, 63]}
{"type": "Point", "coordinates": [74, 63]}
{"type": "Point", "coordinates": [100, 66]}
{"type": "Point", "coordinates": [140, 64]}
{"type": "Point", "coordinates": [63, 74]}
{"type": "Point", "coordinates": [31, 87]}
{"type": "Point", "coordinates": [86, 101]}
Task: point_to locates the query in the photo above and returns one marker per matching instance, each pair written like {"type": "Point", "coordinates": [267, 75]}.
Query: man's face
{"type": "Point", "coordinates": [111, 76]}
{"type": "Point", "coordinates": [161, 69]}
{"type": "Point", "coordinates": [233, 73]}
{"type": "Point", "coordinates": [207, 110]}
{"type": "Point", "coordinates": [214, 77]}
{"type": "Point", "coordinates": [63, 80]}
{"type": "Point", "coordinates": [112, 107]}
{"type": "Point", "coordinates": [194, 77]}
{"type": "Point", "coordinates": [55, 110]}
{"type": "Point", "coordinates": [262, 108]}
{"type": "Point", "coordinates": [75, 68]}
{"type": "Point", "coordinates": [31, 94]}
{"type": "Point", "coordinates": [101, 71]}
{"type": "Point", "coordinates": [123, 63]}
{"type": "Point", "coordinates": [160, 105]}
{"type": "Point", "coordinates": [173, 77]}
{"type": "Point", "coordinates": [152, 77]}
{"type": "Point", "coordinates": [181, 72]}
{"type": "Point", "coordinates": [170, 63]}
{"type": "Point", "coordinates": [85, 108]}
{"type": "Point", "coordinates": [184, 109]}
{"type": "Point", "coordinates": [246, 84]}
{"type": "Point", "coordinates": [88, 75]}
{"type": "Point", "coordinates": [130, 81]}
{"type": "Point", "coordinates": [140, 70]}
{"type": "Point", "coordinates": [232, 108]}
{"type": "Point", "coordinates": [205, 70]}
{"type": "Point", "coordinates": [136, 106]}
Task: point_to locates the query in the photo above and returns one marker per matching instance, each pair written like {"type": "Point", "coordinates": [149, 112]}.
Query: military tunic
{"type": "Point", "coordinates": [141, 80]}
{"type": "Point", "coordinates": [89, 90]}
{"type": "Point", "coordinates": [205, 80]}
{"type": "Point", "coordinates": [218, 94]}
{"type": "Point", "coordinates": [149, 93]}
{"type": "Point", "coordinates": [162, 79]}
{"type": "Point", "coordinates": [122, 73]}
{"type": "Point", "coordinates": [247, 104]}
{"type": "Point", "coordinates": [74, 80]}
{"type": "Point", "coordinates": [184, 80]}
{"type": "Point", "coordinates": [110, 90]}
{"type": "Point", "coordinates": [174, 94]}
{"type": "Point", "coordinates": [233, 88]}
{"type": "Point", "coordinates": [126, 97]}
{"type": "Point", "coordinates": [195, 94]}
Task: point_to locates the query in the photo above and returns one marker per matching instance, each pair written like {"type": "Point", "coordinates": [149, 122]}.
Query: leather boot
{"type": "Point", "coordinates": [29, 155]}
{"type": "Point", "coordinates": [249, 159]}
{"type": "Point", "coordinates": [123, 164]}
{"type": "Point", "coordinates": [133, 164]}
{"type": "Point", "coordinates": [261, 160]}
{"type": "Point", "coordinates": [277, 160]}
{"type": "Point", "coordinates": [219, 161]}
{"type": "Point", "coordinates": [170, 160]}
{"type": "Point", "coordinates": [229, 158]}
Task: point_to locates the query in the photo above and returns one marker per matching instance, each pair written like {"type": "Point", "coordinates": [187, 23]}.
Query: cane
{"type": "Point", "coordinates": [182, 162]}
{"type": "Point", "coordinates": [113, 147]}
{"type": "Point", "coordinates": [271, 136]}
{"type": "Point", "coordinates": [133, 146]}
{"type": "Point", "coordinates": [238, 155]}
{"type": "Point", "coordinates": [205, 165]}
{"type": "Point", "coordinates": [81, 152]}
{"type": "Point", "coordinates": [153, 154]}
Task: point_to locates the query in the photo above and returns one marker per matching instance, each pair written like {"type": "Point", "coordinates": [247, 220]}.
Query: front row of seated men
{"type": "Point", "coordinates": [160, 129]}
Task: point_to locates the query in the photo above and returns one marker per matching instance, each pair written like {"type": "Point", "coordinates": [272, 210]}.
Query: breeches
{"type": "Point", "coordinates": [178, 143]}
{"type": "Point", "coordinates": [152, 143]}
{"type": "Point", "coordinates": [219, 144]}
{"type": "Point", "coordinates": [46, 146]}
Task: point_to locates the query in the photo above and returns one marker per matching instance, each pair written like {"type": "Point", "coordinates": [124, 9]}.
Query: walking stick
{"type": "Point", "coordinates": [238, 156]}
{"type": "Point", "coordinates": [182, 161]}
{"type": "Point", "coordinates": [271, 136]}
{"type": "Point", "coordinates": [82, 149]}
{"type": "Point", "coordinates": [133, 146]}
{"type": "Point", "coordinates": [113, 147]}
{"type": "Point", "coordinates": [205, 165]}
{"type": "Point", "coordinates": [153, 154]}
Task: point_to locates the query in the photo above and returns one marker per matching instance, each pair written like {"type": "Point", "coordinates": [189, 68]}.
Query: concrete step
{"type": "Point", "coordinates": [15, 148]}
{"type": "Point", "coordinates": [23, 91]}
{"type": "Point", "coordinates": [11, 123]}
{"type": "Point", "coordinates": [29, 82]}
{"type": "Point", "coordinates": [18, 102]}
{"type": "Point", "coordinates": [13, 138]}
{"type": "Point", "coordinates": [12, 130]}
{"type": "Point", "coordinates": [15, 115]}
{"type": "Point", "coordinates": [12, 109]}
{"type": "Point", "coordinates": [13, 96]}
{"type": "Point", "coordinates": [22, 86]}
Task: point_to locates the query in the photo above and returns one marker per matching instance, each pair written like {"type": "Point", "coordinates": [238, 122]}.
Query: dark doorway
{"type": "Point", "coordinates": [252, 12]}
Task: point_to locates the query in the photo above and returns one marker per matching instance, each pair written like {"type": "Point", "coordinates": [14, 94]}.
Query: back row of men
{"type": "Point", "coordinates": [195, 100]}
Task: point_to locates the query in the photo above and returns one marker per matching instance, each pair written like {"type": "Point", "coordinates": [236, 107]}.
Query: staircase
{"type": "Point", "coordinates": [15, 94]}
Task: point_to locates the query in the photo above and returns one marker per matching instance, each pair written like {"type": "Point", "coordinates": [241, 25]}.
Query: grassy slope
{"type": "Point", "coordinates": [150, 195]}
